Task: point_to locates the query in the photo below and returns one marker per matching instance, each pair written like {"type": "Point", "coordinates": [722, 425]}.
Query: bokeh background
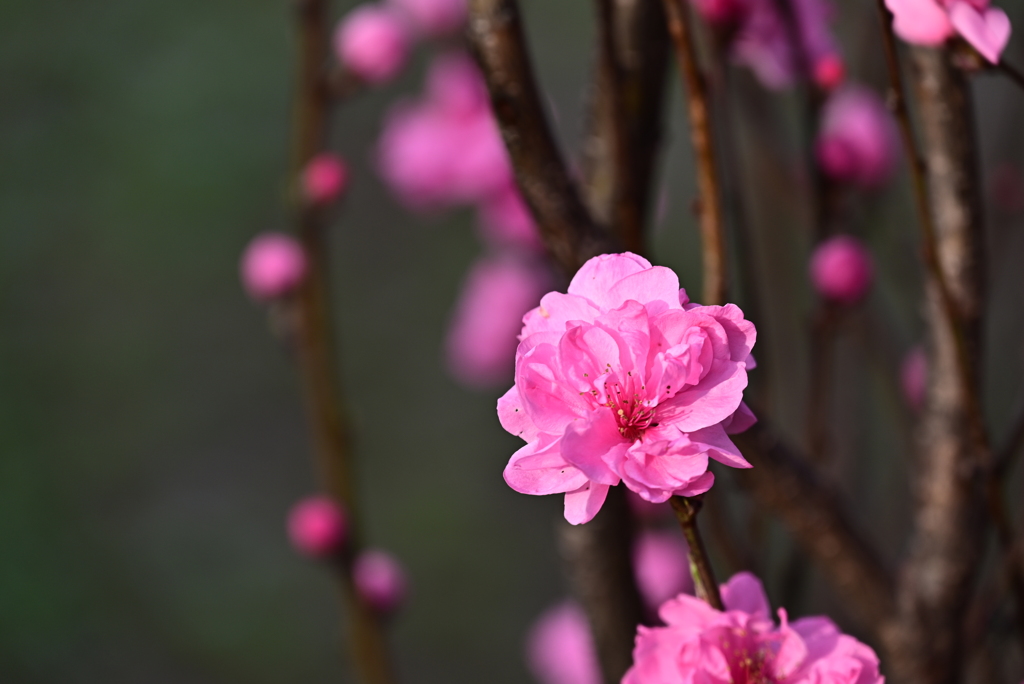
{"type": "Point", "coordinates": [151, 433]}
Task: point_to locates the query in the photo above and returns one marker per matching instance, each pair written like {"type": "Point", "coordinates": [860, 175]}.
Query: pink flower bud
{"type": "Point", "coordinates": [317, 527]}
{"type": "Point", "coordinates": [841, 269]}
{"type": "Point", "coordinates": [914, 377]}
{"type": "Point", "coordinates": [720, 12]}
{"type": "Point", "coordinates": [829, 71]}
{"type": "Point", "coordinates": [482, 338]}
{"type": "Point", "coordinates": [272, 266]}
{"type": "Point", "coordinates": [857, 141]}
{"type": "Point", "coordinates": [372, 42]}
{"type": "Point", "coordinates": [379, 580]}
{"type": "Point", "coordinates": [661, 566]}
{"type": "Point", "coordinates": [560, 648]}
{"type": "Point", "coordinates": [324, 178]}
{"type": "Point", "coordinates": [433, 18]}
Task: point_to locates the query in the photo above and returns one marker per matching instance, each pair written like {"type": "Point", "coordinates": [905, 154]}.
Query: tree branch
{"type": "Point", "coordinates": [625, 117]}
{"type": "Point", "coordinates": [315, 347]}
{"type": "Point", "coordinates": [711, 216]}
{"type": "Point", "coordinates": [704, 582]}
{"type": "Point", "coordinates": [496, 37]}
{"type": "Point", "coordinates": [781, 481]}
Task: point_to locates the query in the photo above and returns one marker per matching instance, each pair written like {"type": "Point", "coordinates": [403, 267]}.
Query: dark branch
{"type": "Point", "coordinates": [496, 37]}
{"type": "Point", "coordinates": [704, 582]}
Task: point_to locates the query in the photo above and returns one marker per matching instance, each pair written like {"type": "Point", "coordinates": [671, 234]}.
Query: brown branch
{"type": "Point", "coordinates": [496, 37]}
{"type": "Point", "coordinates": [711, 216]}
{"type": "Point", "coordinates": [625, 116]}
{"type": "Point", "coordinates": [597, 556]}
{"type": "Point", "coordinates": [781, 481]}
{"type": "Point", "coordinates": [686, 510]}
{"type": "Point", "coordinates": [315, 347]}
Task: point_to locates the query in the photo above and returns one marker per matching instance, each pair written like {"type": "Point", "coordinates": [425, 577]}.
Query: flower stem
{"type": "Point", "coordinates": [686, 509]}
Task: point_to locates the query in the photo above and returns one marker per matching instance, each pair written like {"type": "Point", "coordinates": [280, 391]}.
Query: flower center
{"type": "Point", "coordinates": [749, 662]}
{"type": "Point", "coordinates": [632, 412]}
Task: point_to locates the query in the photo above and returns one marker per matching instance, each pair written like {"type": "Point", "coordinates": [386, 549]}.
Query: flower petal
{"type": "Point", "coordinates": [538, 468]}
{"type": "Point", "coordinates": [581, 505]}
{"type": "Point", "coordinates": [599, 275]}
{"type": "Point", "coordinates": [512, 415]}
{"type": "Point", "coordinates": [744, 592]}
{"type": "Point", "coordinates": [921, 22]}
{"type": "Point", "coordinates": [591, 445]}
{"type": "Point", "coordinates": [987, 31]}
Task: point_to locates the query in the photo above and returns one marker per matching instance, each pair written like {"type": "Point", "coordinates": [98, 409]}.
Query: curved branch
{"type": "Point", "coordinates": [496, 38]}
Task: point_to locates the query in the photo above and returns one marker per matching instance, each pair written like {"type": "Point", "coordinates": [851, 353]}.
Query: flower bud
{"type": "Point", "coordinates": [372, 42]}
{"type": "Point", "coordinates": [272, 266]}
{"type": "Point", "coordinates": [324, 178]}
{"type": "Point", "coordinates": [829, 71]}
{"type": "Point", "coordinates": [661, 566]}
{"type": "Point", "coordinates": [560, 648]}
{"type": "Point", "coordinates": [841, 269]}
{"type": "Point", "coordinates": [317, 527]}
{"type": "Point", "coordinates": [857, 140]}
{"type": "Point", "coordinates": [914, 377]}
{"type": "Point", "coordinates": [379, 580]}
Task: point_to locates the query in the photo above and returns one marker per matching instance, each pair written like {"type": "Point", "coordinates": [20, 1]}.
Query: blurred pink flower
{"type": "Point", "coordinates": [372, 41]}
{"type": "Point", "coordinates": [324, 178]}
{"type": "Point", "coordinates": [841, 269]}
{"type": "Point", "coordinates": [317, 527]}
{"type": "Point", "coordinates": [661, 566]}
{"type": "Point", "coordinates": [764, 43]}
{"type": "Point", "coordinates": [560, 648]}
{"type": "Point", "coordinates": [932, 22]}
{"type": "Point", "coordinates": [857, 140]}
{"type": "Point", "coordinates": [743, 645]}
{"type": "Point", "coordinates": [482, 342]}
{"type": "Point", "coordinates": [623, 379]}
{"type": "Point", "coordinates": [506, 221]}
{"type": "Point", "coordinates": [379, 580]}
{"type": "Point", "coordinates": [433, 18]}
{"type": "Point", "coordinates": [914, 377]}
{"type": "Point", "coordinates": [445, 149]}
{"type": "Point", "coordinates": [272, 266]}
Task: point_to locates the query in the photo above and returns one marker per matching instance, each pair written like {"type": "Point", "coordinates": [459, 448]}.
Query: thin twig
{"type": "Point", "coordinates": [686, 509]}
{"type": "Point", "coordinates": [711, 217]}
{"type": "Point", "coordinates": [322, 391]}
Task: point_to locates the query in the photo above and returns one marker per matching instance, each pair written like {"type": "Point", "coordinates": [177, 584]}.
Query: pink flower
{"type": "Point", "coordinates": [841, 269]}
{"type": "Point", "coordinates": [932, 22]}
{"type": "Point", "coordinates": [372, 42]}
{"type": "Point", "coordinates": [317, 527]}
{"type": "Point", "coordinates": [445, 149]}
{"type": "Point", "coordinates": [433, 17]}
{"type": "Point", "coordinates": [560, 648]}
{"type": "Point", "coordinates": [742, 645]}
{"type": "Point", "coordinates": [764, 43]}
{"type": "Point", "coordinates": [482, 341]}
{"type": "Point", "coordinates": [857, 139]}
{"type": "Point", "coordinates": [914, 377]}
{"type": "Point", "coordinates": [379, 580]}
{"type": "Point", "coordinates": [622, 379]}
{"type": "Point", "coordinates": [506, 221]}
{"type": "Point", "coordinates": [324, 178]}
{"type": "Point", "coordinates": [661, 566]}
{"type": "Point", "coordinates": [272, 266]}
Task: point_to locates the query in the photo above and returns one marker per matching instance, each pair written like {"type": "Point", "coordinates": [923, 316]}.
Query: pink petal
{"type": "Point", "coordinates": [512, 415]}
{"type": "Point", "coordinates": [600, 274]}
{"type": "Point", "coordinates": [740, 421]}
{"type": "Point", "coordinates": [555, 310]}
{"type": "Point", "coordinates": [592, 444]}
{"type": "Point", "coordinates": [744, 592]}
{"type": "Point", "coordinates": [654, 287]}
{"type": "Point", "coordinates": [922, 22]}
{"type": "Point", "coordinates": [988, 32]}
{"type": "Point", "coordinates": [792, 651]}
{"type": "Point", "coordinates": [718, 446]}
{"type": "Point", "coordinates": [538, 468]}
{"type": "Point", "coordinates": [698, 486]}
{"type": "Point", "coordinates": [581, 505]}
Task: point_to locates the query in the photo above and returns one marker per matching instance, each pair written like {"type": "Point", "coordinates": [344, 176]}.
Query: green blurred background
{"type": "Point", "coordinates": [151, 435]}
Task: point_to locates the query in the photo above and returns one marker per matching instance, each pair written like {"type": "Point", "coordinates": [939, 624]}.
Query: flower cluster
{"type": "Point", "coordinates": [743, 645]}
{"type": "Point", "coordinates": [622, 379]}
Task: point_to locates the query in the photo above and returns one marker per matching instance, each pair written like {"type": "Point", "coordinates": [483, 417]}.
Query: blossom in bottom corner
{"type": "Point", "coordinates": [622, 379]}
{"type": "Point", "coordinates": [743, 645]}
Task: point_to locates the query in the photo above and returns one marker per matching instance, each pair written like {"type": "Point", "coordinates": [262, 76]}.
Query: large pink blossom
{"type": "Point", "coordinates": [932, 22]}
{"type": "Point", "coordinates": [743, 645]}
{"type": "Point", "coordinates": [623, 379]}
